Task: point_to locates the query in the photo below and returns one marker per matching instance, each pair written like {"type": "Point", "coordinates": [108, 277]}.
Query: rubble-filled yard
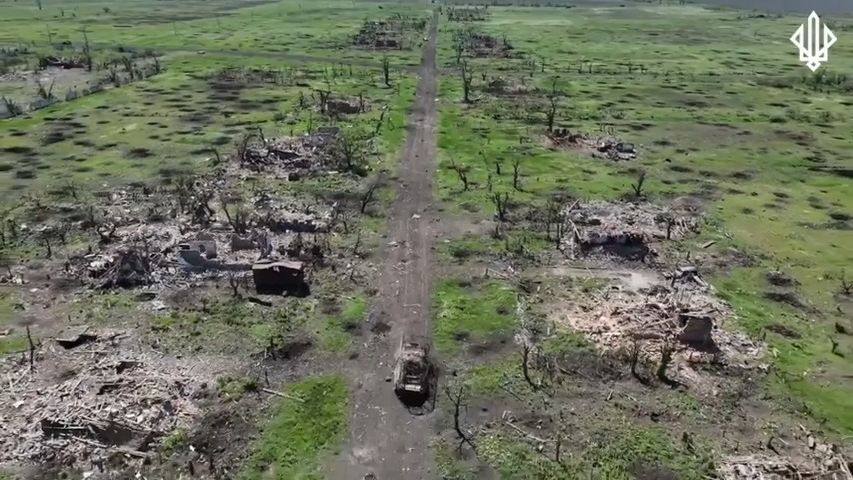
{"type": "Point", "coordinates": [90, 397]}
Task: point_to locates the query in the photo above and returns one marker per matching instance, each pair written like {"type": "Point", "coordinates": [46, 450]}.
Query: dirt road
{"type": "Point", "coordinates": [385, 439]}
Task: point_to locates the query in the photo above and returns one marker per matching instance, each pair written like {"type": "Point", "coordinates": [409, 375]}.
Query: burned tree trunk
{"type": "Point", "coordinates": [386, 70]}
{"type": "Point", "coordinates": [467, 78]}
{"type": "Point", "coordinates": [457, 398]}
{"type": "Point", "coordinates": [461, 172]}
{"type": "Point", "coordinates": [501, 205]}
{"type": "Point", "coordinates": [516, 163]}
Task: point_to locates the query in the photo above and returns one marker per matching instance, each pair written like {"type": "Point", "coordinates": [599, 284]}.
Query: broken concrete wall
{"type": "Point", "coordinates": [275, 278]}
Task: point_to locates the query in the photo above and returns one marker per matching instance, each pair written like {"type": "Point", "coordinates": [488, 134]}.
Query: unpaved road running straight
{"type": "Point", "coordinates": [386, 440]}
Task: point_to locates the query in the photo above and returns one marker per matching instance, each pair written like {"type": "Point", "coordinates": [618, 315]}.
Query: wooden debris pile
{"type": "Point", "coordinates": [626, 229]}
{"type": "Point", "coordinates": [767, 467]}
{"type": "Point", "coordinates": [602, 146]}
{"type": "Point", "coordinates": [389, 33]}
{"type": "Point", "coordinates": [128, 268]}
{"type": "Point", "coordinates": [689, 320]}
{"type": "Point", "coordinates": [303, 152]}
{"type": "Point", "coordinates": [808, 458]}
{"type": "Point", "coordinates": [90, 398]}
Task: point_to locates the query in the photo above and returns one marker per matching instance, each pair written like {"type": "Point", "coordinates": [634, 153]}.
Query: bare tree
{"type": "Point", "coordinates": [87, 51]}
{"type": "Point", "coordinates": [501, 203]}
{"type": "Point", "coordinates": [467, 78]}
{"type": "Point", "coordinates": [11, 106]}
{"type": "Point", "coordinates": [638, 187]}
{"type": "Point", "coordinates": [845, 285]}
{"type": "Point", "coordinates": [234, 283]}
{"type": "Point", "coordinates": [45, 93]}
{"type": "Point", "coordinates": [32, 349]}
{"type": "Point", "coordinates": [367, 196]}
{"type": "Point", "coordinates": [238, 217]}
{"type": "Point", "coordinates": [324, 99]}
{"type": "Point", "coordinates": [553, 98]}
{"type": "Point", "coordinates": [516, 163]}
{"type": "Point", "coordinates": [457, 397]}
{"type": "Point", "coordinates": [386, 70]}
{"type": "Point", "coordinates": [461, 172]}
{"type": "Point", "coordinates": [380, 121]}
{"type": "Point", "coordinates": [526, 348]}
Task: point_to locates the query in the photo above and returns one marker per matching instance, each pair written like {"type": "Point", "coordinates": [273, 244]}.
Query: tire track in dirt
{"type": "Point", "coordinates": [385, 439]}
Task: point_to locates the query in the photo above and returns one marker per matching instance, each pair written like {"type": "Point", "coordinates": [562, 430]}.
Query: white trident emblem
{"type": "Point", "coordinates": [814, 47]}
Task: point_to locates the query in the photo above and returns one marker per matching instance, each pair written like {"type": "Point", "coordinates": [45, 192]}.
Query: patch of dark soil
{"type": "Point", "coordinates": [783, 330]}
{"type": "Point", "coordinates": [19, 150]}
{"type": "Point", "coordinates": [680, 168]}
{"type": "Point", "coordinates": [139, 152]}
{"type": "Point", "coordinates": [840, 216]}
{"type": "Point", "coordinates": [742, 175]}
{"type": "Point", "coordinates": [54, 136]}
{"type": "Point", "coordinates": [289, 350]}
{"type": "Point", "coordinates": [840, 171]}
{"type": "Point", "coordinates": [780, 279]}
{"type": "Point", "coordinates": [590, 365]}
{"type": "Point", "coordinates": [491, 345]}
{"type": "Point", "coordinates": [644, 471]}
{"type": "Point", "coordinates": [25, 174]}
{"type": "Point", "coordinates": [788, 298]}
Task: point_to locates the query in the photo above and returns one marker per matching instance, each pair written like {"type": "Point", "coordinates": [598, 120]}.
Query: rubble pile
{"type": "Point", "coordinates": [688, 316]}
{"type": "Point", "coordinates": [829, 466]}
{"type": "Point", "coordinates": [174, 253]}
{"type": "Point", "coordinates": [388, 33]}
{"type": "Point", "coordinates": [506, 86]}
{"type": "Point", "coordinates": [626, 229]}
{"type": "Point", "coordinates": [94, 395]}
{"type": "Point", "coordinates": [307, 152]}
{"type": "Point", "coordinates": [338, 106]}
{"type": "Point", "coordinates": [607, 147]}
{"type": "Point", "coordinates": [806, 457]}
{"type": "Point", "coordinates": [483, 45]}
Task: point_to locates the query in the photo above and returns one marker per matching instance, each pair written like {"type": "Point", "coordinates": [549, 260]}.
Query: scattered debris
{"type": "Point", "coordinates": [818, 460]}
{"type": "Point", "coordinates": [76, 340]}
{"type": "Point", "coordinates": [625, 229]}
{"type": "Point", "coordinates": [607, 147]}
{"type": "Point", "coordinates": [93, 398]}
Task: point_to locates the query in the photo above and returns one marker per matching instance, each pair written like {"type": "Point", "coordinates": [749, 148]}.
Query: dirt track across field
{"type": "Point", "coordinates": [385, 438]}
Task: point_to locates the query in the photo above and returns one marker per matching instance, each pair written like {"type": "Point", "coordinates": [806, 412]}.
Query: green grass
{"type": "Point", "coordinates": [617, 454]}
{"type": "Point", "coordinates": [175, 440]}
{"type": "Point", "coordinates": [227, 324]}
{"type": "Point", "coordinates": [471, 312]}
{"type": "Point", "coordinates": [300, 432]}
{"type": "Point", "coordinates": [235, 387]}
{"type": "Point", "coordinates": [333, 331]}
{"type": "Point", "coordinates": [807, 370]}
